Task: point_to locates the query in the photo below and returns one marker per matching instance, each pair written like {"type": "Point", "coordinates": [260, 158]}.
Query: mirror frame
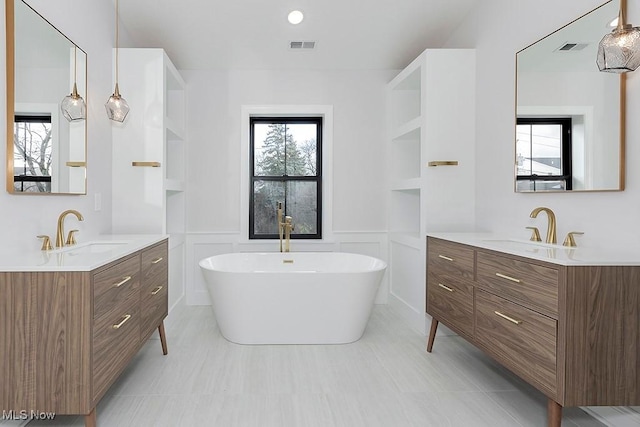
{"type": "Point", "coordinates": [622, 124]}
{"type": "Point", "coordinates": [10, 97]}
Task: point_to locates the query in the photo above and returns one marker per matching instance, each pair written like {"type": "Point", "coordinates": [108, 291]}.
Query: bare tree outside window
{"type": "Point", "coordinates": [285, 165]}
{"type": "Point", "coordinates": [32, 154]}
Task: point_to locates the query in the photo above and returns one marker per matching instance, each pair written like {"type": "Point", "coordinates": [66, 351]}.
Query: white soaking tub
{"type": "Point", "coordinates": [292, 298]}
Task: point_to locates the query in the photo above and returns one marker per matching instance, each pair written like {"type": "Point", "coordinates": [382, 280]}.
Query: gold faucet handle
{"type": "Point", "coordinates": [535, 234]}
{"type": "Point", "coordinates": [569, 240]}
{"type": "Point", "coordinates": [46, 243]}
{"type": "Point", "coordinates": [71, 240]}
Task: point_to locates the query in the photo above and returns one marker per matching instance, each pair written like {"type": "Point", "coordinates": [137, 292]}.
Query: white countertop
{"type": "Point", "coordinates": [85, 256]}
{"type": "Point", "coordinates": [556, 254]}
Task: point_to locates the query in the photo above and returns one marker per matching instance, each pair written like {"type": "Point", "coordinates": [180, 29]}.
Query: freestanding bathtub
{"type": "Point", "coordinates": [292, 298]}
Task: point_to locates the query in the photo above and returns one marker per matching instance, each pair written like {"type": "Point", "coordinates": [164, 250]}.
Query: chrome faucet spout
{"type": "Point", "coordinates": [60, 229]}
{"type": "Point", "coordinates": [551, 222]}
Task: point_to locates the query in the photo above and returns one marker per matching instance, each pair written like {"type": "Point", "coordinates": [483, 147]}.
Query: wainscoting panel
{"type": "Point", "coordinates": [177, 256]}
{"type": "Point", "coordinates": [203, 245]}
{"type": "Point", "coordinates": [200, 246]}
{"type": "Point", "coordinates": [407, 278]}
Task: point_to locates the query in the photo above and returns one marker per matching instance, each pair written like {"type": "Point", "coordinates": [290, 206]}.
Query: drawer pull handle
{"type": "Point", "coordinates": [122, 282]}
{"type": "Point", "coordinates": [445, 257]}
{"type": "Point", "coordinates": [122, 322]}
{"type": "Point", "coordinates": [510, 319]}
{"type": "Point", "coordinates": [155, 261]}
{"type": "Point", "coordinates": [504, 276]}
{"type": "Point", "coordinates": [445, 287]}
{"type": "Point", "coordinates": [156, 290]}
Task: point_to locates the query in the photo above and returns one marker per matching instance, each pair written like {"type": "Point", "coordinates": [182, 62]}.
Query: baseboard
{"type": "Point", "coordinates": [175, 311]}
{"type": "Point", "coordinates": [414, 319]}
{"type": "Point", "coordinates": [179, 304]}
{"type": "Point", "coordinates": [614, 416]}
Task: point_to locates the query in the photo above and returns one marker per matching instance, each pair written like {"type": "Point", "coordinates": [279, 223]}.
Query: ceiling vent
{"type": "Point", "coordinates": [302, 45]}
{"type": "Point", "coordinates": [572, 47]}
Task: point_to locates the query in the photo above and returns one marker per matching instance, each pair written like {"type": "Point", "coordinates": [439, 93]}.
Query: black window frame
{"type": "Point", "coordinates": [23, 178]}
{"type": "Point", "coordinates": [566, 125]}
{"type": "Point", "coordinates": [318, 121]}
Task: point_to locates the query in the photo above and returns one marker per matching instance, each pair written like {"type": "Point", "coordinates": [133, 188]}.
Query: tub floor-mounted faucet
{"type": "Point", "coordinates": [284, 230]}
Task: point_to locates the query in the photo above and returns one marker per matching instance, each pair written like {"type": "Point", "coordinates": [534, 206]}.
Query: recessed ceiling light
{"type": "Point", "coordinates": [295, 17]}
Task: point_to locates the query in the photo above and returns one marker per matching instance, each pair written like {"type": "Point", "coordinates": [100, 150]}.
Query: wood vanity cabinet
{"type": "Point", "coordinates": [573, 332]}
{"type": "Point", "coordinates": [65, 337]}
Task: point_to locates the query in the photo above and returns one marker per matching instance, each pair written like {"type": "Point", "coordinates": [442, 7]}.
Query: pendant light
{"type": "Point", "coordinates": [73, 106]}
{"type": "Point", "coordinates": [117, 107]}
{"type": "Point", "coordinates": [619, 51]}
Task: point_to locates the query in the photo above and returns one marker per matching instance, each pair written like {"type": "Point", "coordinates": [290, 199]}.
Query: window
{"type": "Point", "coordinates": [543, 154]}
{"type": "Point", "coordinates": [32, 153]}
{"type": "Point", "coordinates": [285, 166]}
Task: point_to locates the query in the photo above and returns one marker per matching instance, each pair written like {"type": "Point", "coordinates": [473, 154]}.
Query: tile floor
{"type": "Point", "coordinates": [385, 379]}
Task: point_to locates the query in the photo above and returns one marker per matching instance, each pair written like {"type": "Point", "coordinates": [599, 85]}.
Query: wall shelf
{"type": "Point", "coordinates": [406, 184]}
{"type": "Point", "coordinates": [408, 130]}
{"type": "Point", "coordinates": [412, 240]}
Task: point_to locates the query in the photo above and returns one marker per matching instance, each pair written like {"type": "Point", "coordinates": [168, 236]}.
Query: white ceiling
{"type": "Point", "coordinates": [254, 34]}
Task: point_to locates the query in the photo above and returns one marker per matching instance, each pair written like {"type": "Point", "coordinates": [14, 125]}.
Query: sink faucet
{"type": "Point", "coordinates": [284, 229]}
{"type": "Point", "coordinates": [551, 227]}
{"type": "Point", "coordinates": [60, 230]}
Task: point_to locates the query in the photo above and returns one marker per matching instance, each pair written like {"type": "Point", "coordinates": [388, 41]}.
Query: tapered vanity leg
{"type": "Point", "coordinates": [90, 419]}
{"type": "Point", "coordinates": [432, 334]}
{"type": "Point", "coordinates": [554, 413]}
{"type": "Point", "coordinates": [163, 338]}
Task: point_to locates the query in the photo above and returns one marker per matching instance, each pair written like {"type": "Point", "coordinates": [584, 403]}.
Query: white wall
{"type": "Point", "coordinates": [214, 106]}
{"type": "Point", "coordinates": [498, 29]}
{"type": "Point", "coordinates": [90, 25]}
{"type": "Point", "coordinates": [214, 102]}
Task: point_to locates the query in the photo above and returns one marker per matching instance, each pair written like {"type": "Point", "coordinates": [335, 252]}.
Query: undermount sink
{"type": "Point", "coordinates": [92, 247]}
{"type": "Point", "coordinates": [525, 245]}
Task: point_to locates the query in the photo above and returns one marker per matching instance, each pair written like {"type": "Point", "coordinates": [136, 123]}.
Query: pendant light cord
{"type": "Point", "coordinates": [117, 41]}
{"type": "Point", "coordinates": [75, 65]}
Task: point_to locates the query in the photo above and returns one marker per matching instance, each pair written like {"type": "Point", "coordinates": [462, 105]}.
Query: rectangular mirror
{"type": "Point", "coordinates": [570, 116]}
{"type": "Point", "coordinates": [46, 153]}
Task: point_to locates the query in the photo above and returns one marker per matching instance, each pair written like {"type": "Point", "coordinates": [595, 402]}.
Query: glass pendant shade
{"type": "Point", "coordinates": [619, 51]}
{"type": "Point", "coordinates": [117, 107]}
{"type": "Point", "coordinates": [73, 106]}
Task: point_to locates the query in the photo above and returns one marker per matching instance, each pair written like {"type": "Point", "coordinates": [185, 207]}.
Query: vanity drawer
{"type": "Point", "coordinates": [521, 339]}
{"type": "Point", "coordinates": [531, 285]}
{"type": "Point", "coordinates": [450, 258]}
{"type": "Point", "coordinates": [115, 284]}
{"type": "Point", "coordinates": [116, 338]}
{"type": "Point", "coordinates": [154, 289]}
{"type": "Point", "coordinates": [450, 300]}
{"type": "Point", "coordinates": [155, 262]}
